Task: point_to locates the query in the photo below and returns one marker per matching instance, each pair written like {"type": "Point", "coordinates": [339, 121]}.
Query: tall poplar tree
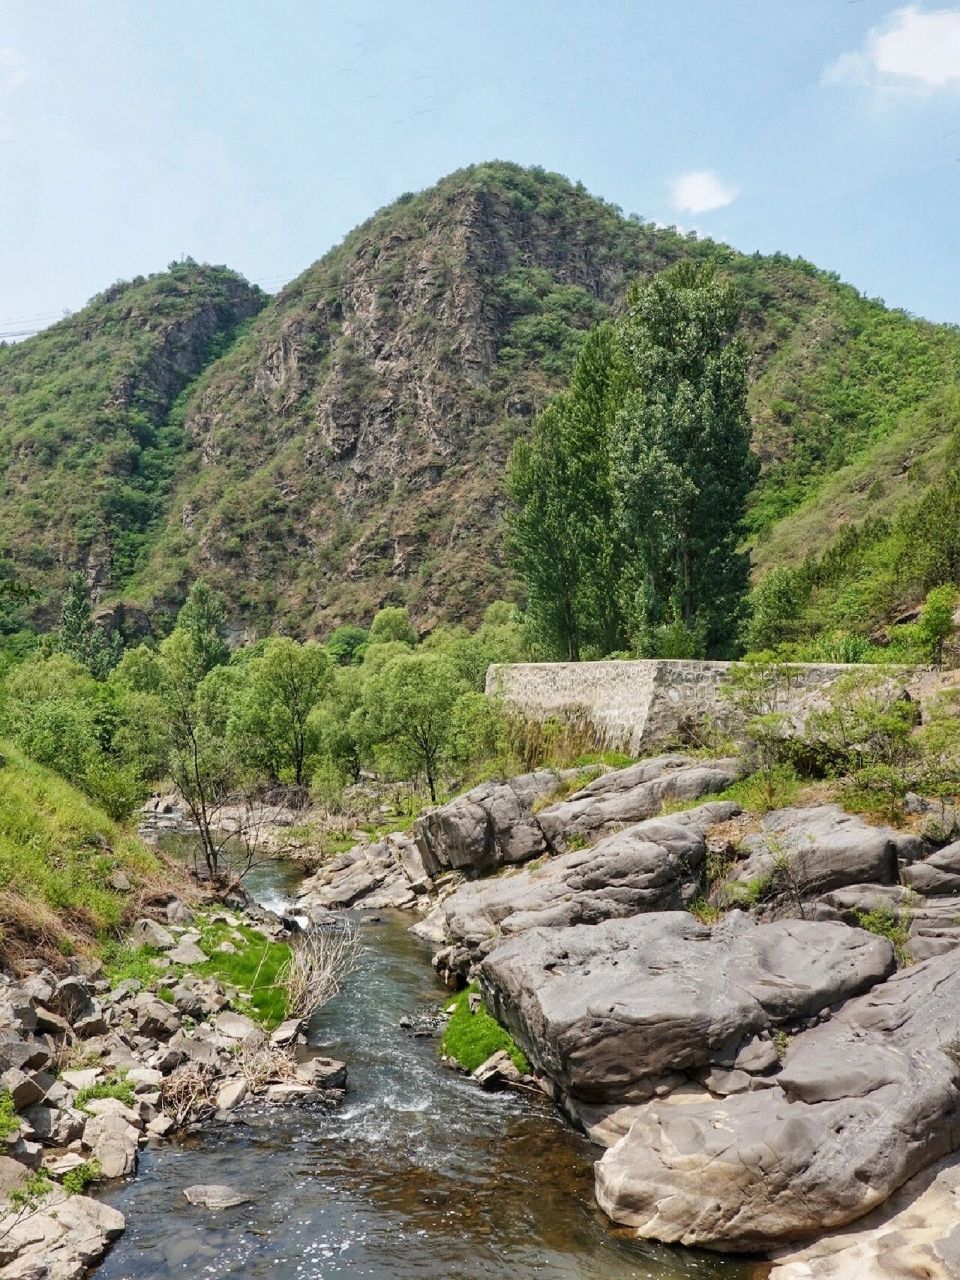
{"type": "Point", "coordinates": [681, 461]}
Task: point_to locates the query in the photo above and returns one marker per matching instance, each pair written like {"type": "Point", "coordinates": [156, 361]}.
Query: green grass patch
{"type": "Point", "coordinates": [122, 961]}
{"type": "Point", "coordinates": [77, 1180]}
{"type": "Point", "coordinates": [471, 1038]}
{"type": "Point", "coordinates": [767, 789]}
{"type": "Point", "coordinates": [253, 968]}
{"type": "Point", "coordinates": [57, 852]}
{"type": "Point", "coordinates": [117, 1086]}
{"type": "Point", "coordinates": [9, 1120]}
{"type": "Point", "coordinates": [889, 924]}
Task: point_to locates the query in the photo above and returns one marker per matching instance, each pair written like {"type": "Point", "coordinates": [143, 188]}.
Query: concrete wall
{"type": "Point", "coordinates": [639, 704]}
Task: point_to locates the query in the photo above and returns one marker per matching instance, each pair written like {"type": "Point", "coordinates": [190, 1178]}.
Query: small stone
{"type": "Point", "coordinates": [150, 933]}
{"type": "Point", "coordinates": [160, 1126]}
{"type": "Point", "coordinates": [81, 1079]}
{"type": "Point", "coordinates": [231, 1095]}
{"type": "Point", "coordinates": [497, 1072]}
{"type": "Point", "coordinates": [214, 1196]}
{"type": "Point", "coordinates": [287, 1032]}
{"type": "Point", "coordinates": [236, 1026]}
{"type": "Point", "coordinates": [187, 953]}
{"type": "Point", "coordinates": [323, 1073]}
{"type": "Point", "coordinates": [283, 1093]}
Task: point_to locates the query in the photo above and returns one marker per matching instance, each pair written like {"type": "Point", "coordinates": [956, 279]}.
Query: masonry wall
{"type": "Point", "coordinates": [635, 705]}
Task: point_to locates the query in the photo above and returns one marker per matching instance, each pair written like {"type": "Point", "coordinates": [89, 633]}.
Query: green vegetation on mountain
{"type": "Point", "coordinates": [345, 449]}
{"type": "Point", "coordinates": [91, 421]}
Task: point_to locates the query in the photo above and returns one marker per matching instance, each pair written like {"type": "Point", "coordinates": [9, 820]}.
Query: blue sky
{"type": "Point", "coordinates": [257, 134]}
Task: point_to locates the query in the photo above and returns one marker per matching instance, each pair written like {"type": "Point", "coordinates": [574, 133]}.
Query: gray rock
{"type": "Point", "coordinates": [150, 933]}
{"type": "Point", "coordinates": [626, 796]}
{"type": "Point", "coordinates": [603, 1009]}
{"type": "Point", "coordinates": [498, 1072]}
{"type": "Point", "coordinates": [112, 1140]}
{"type": "Point", "coordinates": [862, 1103]}
{"type": "Point", "coordinates": [61, 1242]}
{"type": "Point", "coordinates": [652, 866]}
{"type": "Point", "coordinates": [287, 1032]}
{"type": "Point", "coordinates": [388, 873]}
{"type": "Point", "coordinates": [54, 1126]}
{"type": "Point", "coordinates": [237, 1026]}
{"type": "Point", "coordinates": [187, 953]}
{"type": "Point", "coordinates": [178, 913]}
{"type": "Point", "coordinates": [215, 1196]}
{"type": "Point", "coordinates": [491, 826]}
{"type": "Point", "coordinates": [812, 851]}
{"type": "Point", "coordinates": [937, 874]}
{"type": "Point", "coordinates": [12, 1175]}
{"type": "Point", "coordinates": [323, 1073]}
{"type": "Point", "coordinates": [155, 1019]}
{"type": "Point", "coordinates": [231, 1094]}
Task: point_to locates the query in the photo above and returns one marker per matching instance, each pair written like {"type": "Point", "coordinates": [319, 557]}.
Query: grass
{"type": "Point", "coordinates": [471, 1038]}
{"type": "Point", "coordinates": [57, 852]}
{"type": "Point", "coordinates": [254, 968]}
{"type": "Point", "coordinates": [117, 1086]}
{"type": "Point", "coordinates": [9, 1120]}
{"type": "Point", "coordinates": [77, 1180]}
{"type": "Point", "coordinates": [888, 924]}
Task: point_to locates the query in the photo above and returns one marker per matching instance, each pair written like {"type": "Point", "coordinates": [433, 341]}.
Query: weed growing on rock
{"type": "Point", "coordinates": [891, 925]}
{"type": "Point", "coordinates": [117, 1086]}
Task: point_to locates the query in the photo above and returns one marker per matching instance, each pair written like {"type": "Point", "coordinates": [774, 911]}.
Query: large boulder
{"type": "Point", "coordinates": [652, 866]}
{"type": "Point", "coordinates": [913, 1234]}
{"type": "Point", "coordinates": [625, 796]}
{"type": "Point", "coordinates": [802, 852]}
{"type": "Point", "coordinates": [387, 873]}
{"type": "Point", "coordinates": [603, 1011]}
{"type": "Point", "coordinates": [862, 1103]}
{"type": "Point", "coordinates": [59, 1242]}
{"type": "Point", "coordinates": [491, 826]}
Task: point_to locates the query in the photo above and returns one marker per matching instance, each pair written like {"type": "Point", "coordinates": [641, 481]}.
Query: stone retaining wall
{"type": "Point", "coordinates": [635, 705]}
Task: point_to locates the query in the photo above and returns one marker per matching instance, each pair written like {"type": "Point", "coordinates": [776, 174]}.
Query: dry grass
{"type": "Point", "coordinates": [320, 961]}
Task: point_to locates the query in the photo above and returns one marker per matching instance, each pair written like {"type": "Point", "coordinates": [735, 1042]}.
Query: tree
{"type": "Point", "coordinates": [346, 643]}
{"type": "Point", "coordinates": [411, 704]}
{"type": "Point", "coordinates": [283, 685]}
{"type": "Point", "coordinates": [203, 618]}
{"type": "Point", "coordinates": [935, 625]}
{"type": "Point", "coordinates": [560, 521]}
{"type": "Point", "coordinates": [682, 465]}
{"type": "Point", "coordinates": [392, 624]}
{"type": "Point", "coordinates": [80, 637]}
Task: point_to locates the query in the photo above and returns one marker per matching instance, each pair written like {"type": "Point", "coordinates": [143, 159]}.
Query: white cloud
{"type": "Point", "coordinates": [914, 49]}
{"type": "Point", "coordinates": [701, 191]}
{"type": "Point", "coordinates": [13, 70]}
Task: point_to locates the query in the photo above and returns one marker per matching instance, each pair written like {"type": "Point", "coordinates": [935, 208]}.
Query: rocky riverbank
{"type": "Point", "coordinates": [92, 1070]}
{"type": "Point", "coordinates": [758, 1019]}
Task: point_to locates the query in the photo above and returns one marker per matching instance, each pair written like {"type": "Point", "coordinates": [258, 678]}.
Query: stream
{"type": "Point", "coordinates": [417, 1174]}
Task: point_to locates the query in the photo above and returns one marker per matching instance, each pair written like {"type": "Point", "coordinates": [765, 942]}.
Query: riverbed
{"type": "Point", "coordinates": [417, 1174]}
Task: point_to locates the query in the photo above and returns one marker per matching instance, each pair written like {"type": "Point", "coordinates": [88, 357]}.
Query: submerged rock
{"type": "Point", "coordinates": [215, 1196]}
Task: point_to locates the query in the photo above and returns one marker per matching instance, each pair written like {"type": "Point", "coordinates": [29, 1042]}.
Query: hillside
{"type": "Point", "coordinates": [69, 877]}
{"type": "Point", "coordinates": [347, 450]}
{"type": "Point", "coordinates": [90, 435]}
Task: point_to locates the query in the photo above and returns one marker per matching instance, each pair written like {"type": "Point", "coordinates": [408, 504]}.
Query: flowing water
{"type": "Point", "coordinates": [417, 1174]}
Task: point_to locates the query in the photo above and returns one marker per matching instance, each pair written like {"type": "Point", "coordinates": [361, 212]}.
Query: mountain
{"type": "Point", "coordinates": [91, 421]}
{"type": "Point", "coordinates": [346, 447]}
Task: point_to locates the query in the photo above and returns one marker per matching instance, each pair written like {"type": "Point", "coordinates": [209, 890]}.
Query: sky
{"type": "Point", "coordinates": [257, 134]}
